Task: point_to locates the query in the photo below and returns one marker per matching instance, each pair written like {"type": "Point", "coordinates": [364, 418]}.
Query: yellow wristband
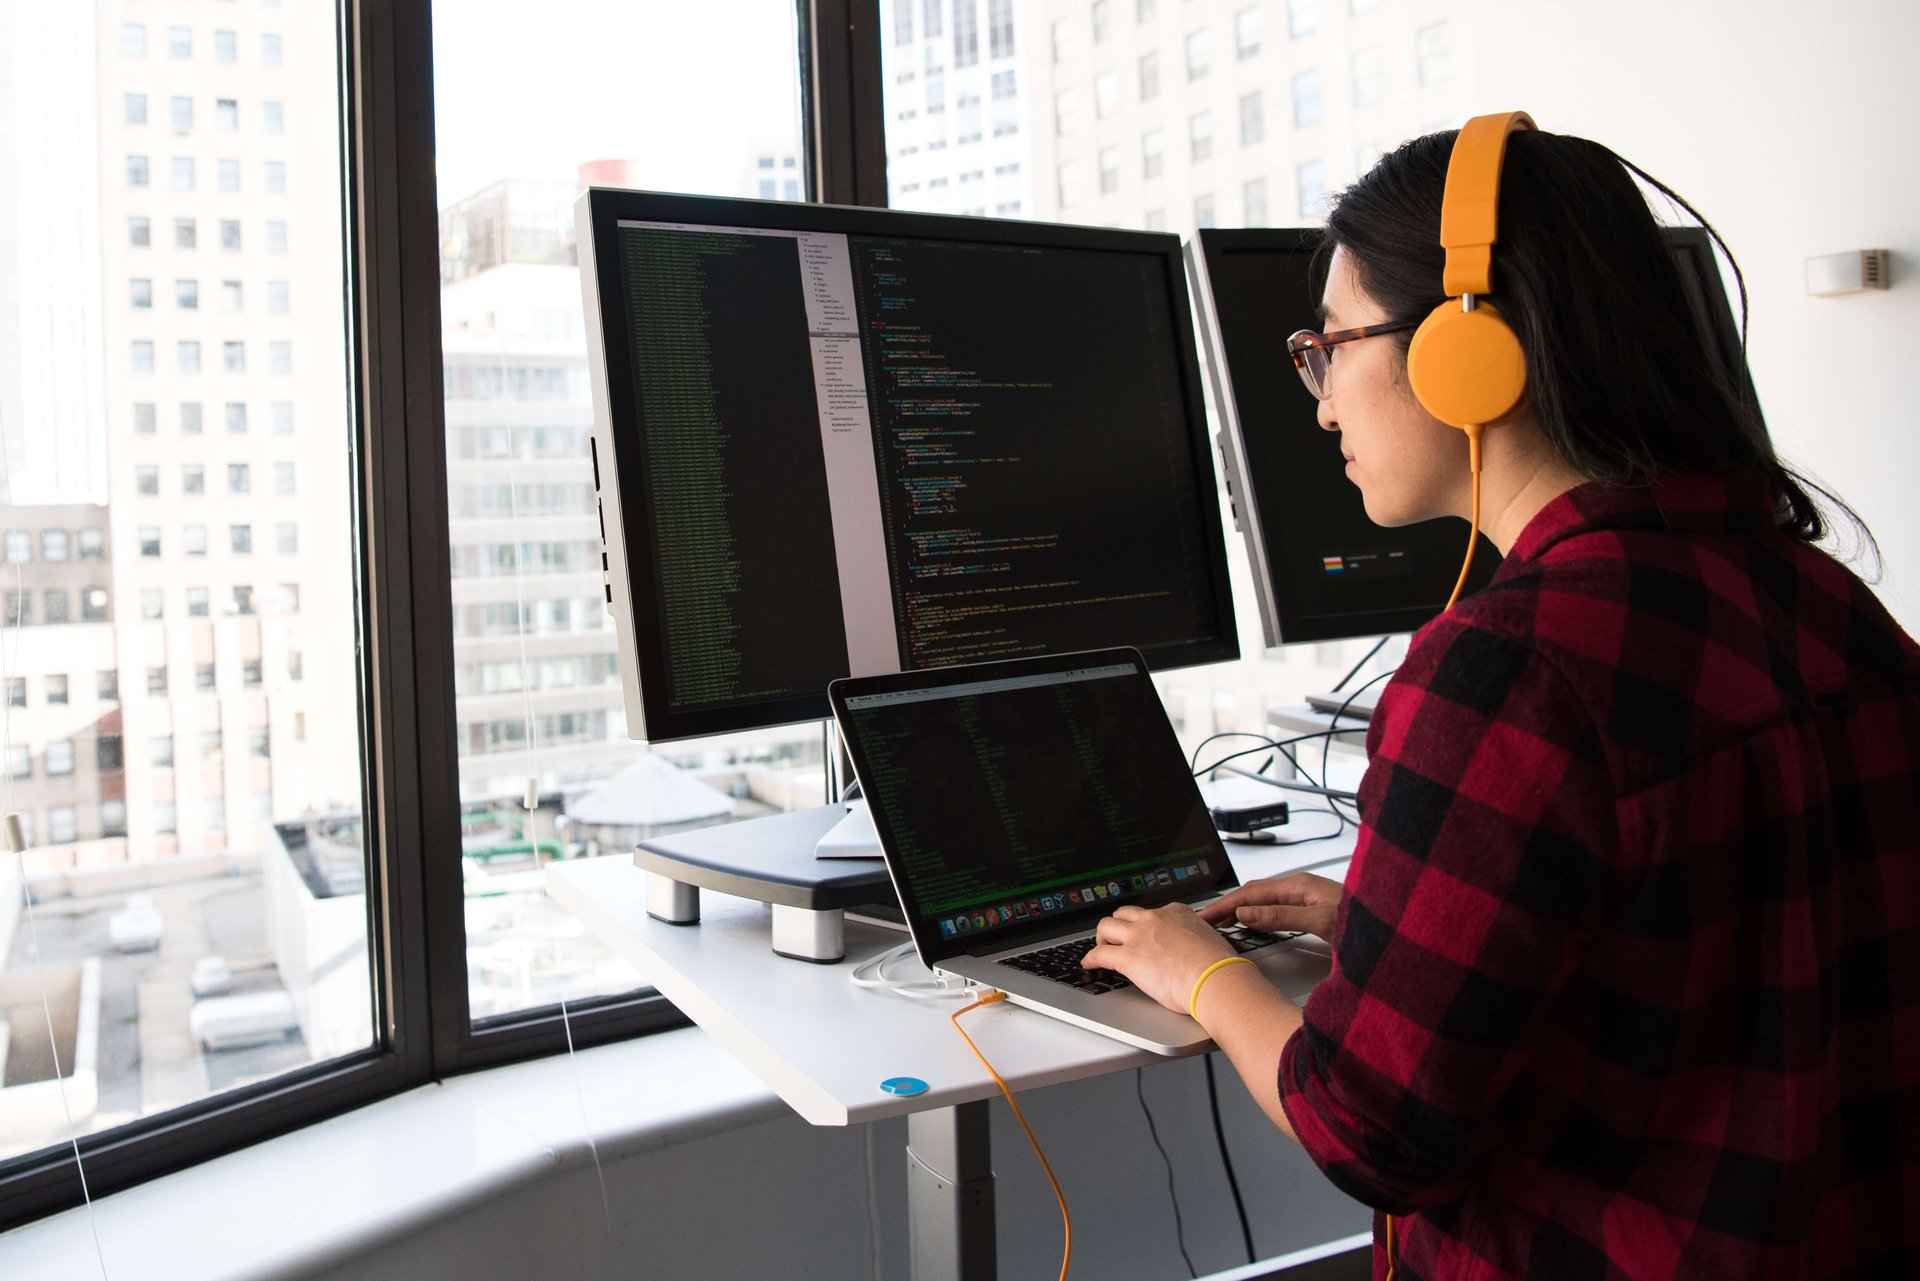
{"type": "Point", "coordinates": [1193, 1002]}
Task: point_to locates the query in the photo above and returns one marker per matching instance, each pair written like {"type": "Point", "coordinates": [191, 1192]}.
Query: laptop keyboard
{"type": "Point", "coordinates": [1061, 962]}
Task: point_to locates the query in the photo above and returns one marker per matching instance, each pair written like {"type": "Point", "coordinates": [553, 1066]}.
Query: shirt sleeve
{"type": "Point", "coordinates": [1476, 883]}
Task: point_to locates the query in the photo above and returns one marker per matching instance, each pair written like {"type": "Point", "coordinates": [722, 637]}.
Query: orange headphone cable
{"type": "Point", "coordinates": [1473, 531]}
{"type": "Point", "coordinates": [1066, 1223]}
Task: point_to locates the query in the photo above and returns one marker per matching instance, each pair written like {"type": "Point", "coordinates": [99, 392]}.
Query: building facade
{"type": "Point", "coordinates": [958, 107]}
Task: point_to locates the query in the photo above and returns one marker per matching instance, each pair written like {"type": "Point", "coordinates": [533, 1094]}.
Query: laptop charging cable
{"type": "Point", "coordinates": [872, 973]}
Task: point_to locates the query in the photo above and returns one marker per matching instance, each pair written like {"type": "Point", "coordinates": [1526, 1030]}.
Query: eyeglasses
{"type": "Point", "coordinates": [1312, 353]}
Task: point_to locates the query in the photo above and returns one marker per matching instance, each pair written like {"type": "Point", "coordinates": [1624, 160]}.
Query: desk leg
{"type": "Point", "coordinates": [950, 1194]}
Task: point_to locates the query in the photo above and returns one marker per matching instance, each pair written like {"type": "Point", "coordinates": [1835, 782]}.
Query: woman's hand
{"type": "Point", "coordinates": [1163, 950]}
{"type": "Point", "coordinates": [1300, 901]}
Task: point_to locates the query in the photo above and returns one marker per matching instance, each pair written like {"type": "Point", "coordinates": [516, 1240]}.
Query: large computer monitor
{"type": "Point", "coordinates": [843, 442]}
{"type": "Point", "coordinates": [1322, 569]}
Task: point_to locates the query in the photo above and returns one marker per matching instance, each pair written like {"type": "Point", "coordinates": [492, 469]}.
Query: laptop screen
{"type": "Point", "coordinates": [1016, 798]}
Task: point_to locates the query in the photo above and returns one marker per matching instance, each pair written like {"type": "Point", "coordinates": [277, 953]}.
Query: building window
{"type": "Point", "coordinates": [133, 40]}
{"type": "Point", "coordinates": [188, 354]}
{"type": "Point", "coordinates": [226, 114]}
{"type": "Point", "coordinates": [57, 605]}
{"type": "Point", "coordinates": [296, 666]}
{"type": "Point", "coordinates": [1102, 20]}
{"type": "Point", "coordinates": [1106, 94]}
{"type": "Point", "coordinates": [93, 544]}
{"type": "Point", "coordinates": [283, 418]}
{"type": "Point", "coordinates": [182, 111]}
{"type": "Point", "coordinates": [136, 171]}
{"type": "Point", "coordinates": [146, 480]}
{"type": "Point", "coordinates": [238, 481]}
{"type": "Point", "coordinates": [20, 765]}
{"type": "Point", "coordinates": [1152, 162]}
{"type": "Point", "coordinates": [242, 600]}
{"type": "Point", "coordinates": [195, 538]}
{"type": "Point", "coordinates": [1254, 201]}
{"type": "Point", "coordinates": [160, 751]}
{"type": "Point", "coordinates": [183, 173]}
{"type": "Point", "coordinates": [1253, 122]}
{"type": "Point", "coordinates": [197, 605]}
{"type": "Point", "coordinates": [19, 546]}
{"type": "Point", "coordinates": [61, 826]}
{"type": "Point", "coordinates": [142, 356]}
{"type": "Point", "coordinates": [236, 417]}
{"type": "Point", "coordinates": [226, 47]}
{"type": "Point", "coordinates": [186, 295]}
{"type": "Point", "coordinates": [273, 117]}
{"type": "Point", "coordinates": [56, 691]}
{"type": "Point", "coordinates": [156, 680]}
{"type": "Point", "coordinates": [1000, 28]}
{"type": "Point", "coordinates": [191, 418]}
{"type": "Point", "coordinates": [146, 414]}
{"type": "Point", "coordinates": [1200, 135]}
{"type": "Point", "coordinates": [279, 297]}
{"type": "Point", "coordinates": [230, 234]}
{"type": "Point", "coordinates": [1145, 10]}
{"type": "Point", "coordinates": [258, 745]}
{"type": "Point", "coordinates": [1246, 33]}
{"type": "Point", "coordinates": [180, 42]}
{"type": "Point", "coordinates": [140, 293]}
{"type": "Point", "coordinates": [1199, 50]}
{"type": "Point", "coordinates": [113, 818]}
{"type": "Point", "coordinates": [966, 33]}
{"type": "Point", "coordinates": [1306, 99]}
{"type": "Point", "coordinates": [1109, 170]}
{"type": "Point", "coordinates": [233, 357]}
{"type": "Point", "coordinates": [193, 478]}
{"type": "Point", "coordinates": [1312, 178]}
{"type": "Point", "coordinates": [1433, 50]}
{"type": "Point", "coordinates": [54, 545]}
{"type": "Point", "coordinates": [203, 678]}
{"type": "Point", "coordinates": [93, 605]}
{"type": "Point", "coordinates": [283, 478]}
{"type": "Point", "coordinates": [242, 539]}
{"type": "Point", "coordinates": [287, 538]}
{"type": "Point", "coordinates": [109, 755]}
{"type": "Point", "coordinates": [227, 174]}
{"type": "Point", "coordinates": [233, 296]}
{"type": "Point", "coordinates": [279, 357]}
{"type": "Point", "coordinates": [60, 760]}
{"type": "Point", "coordinates": [270, 50]}
{"type": "Point", "coordinates": [184, 234]}
{"type": "Point", "coordinates": [1066, 112]}
{"type": "Point", "coordinates": [140, 232]}
{"type": "Point", "coordinates": [152, 603]}
{"type": "Point", "coordinates": [16, 691]}
{"type": "Point", "coordinates": [250, 673]}
{"type": "Point", "coordinates": [136, 108]}
{"type": "Point", "coordinates": [1203, 211]}
{"type": "Point", "coordinates": [276, 176]}
{"type": "Point", "coordinates": [165, 820]}
{"type": "Point", "coordinates": [276, 236]}
{"type": "Point", "coordinates": [1369, 78]}
{"type": "Point", "coordinates": [902, 22]}
{"type": "Point", "coordinates": [19, 609]}
{"type": "Point", "coordinates": [110, 685]}
{"type": "Point", "coordinates": [1303, 17]}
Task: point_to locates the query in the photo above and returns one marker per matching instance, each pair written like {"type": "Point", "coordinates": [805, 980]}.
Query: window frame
{"type": "Point", "coordinates": [423, 1029]}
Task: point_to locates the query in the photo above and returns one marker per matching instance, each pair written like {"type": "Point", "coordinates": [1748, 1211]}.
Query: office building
{"type": "Point", "coordinates": [958, 107]}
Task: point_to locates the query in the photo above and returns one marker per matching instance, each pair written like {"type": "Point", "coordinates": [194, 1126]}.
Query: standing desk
{"type": "Point", "coordinates": [824, 1045]}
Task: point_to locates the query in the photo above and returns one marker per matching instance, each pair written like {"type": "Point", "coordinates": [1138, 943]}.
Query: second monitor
{"type": "Point", "coordinates": [833, 441]}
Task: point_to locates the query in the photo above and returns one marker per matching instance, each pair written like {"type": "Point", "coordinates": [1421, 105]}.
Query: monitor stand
{"type": "Point", "coordinates": [852, 837]}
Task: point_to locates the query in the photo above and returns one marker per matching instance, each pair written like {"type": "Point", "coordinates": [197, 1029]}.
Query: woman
{"type": "Point", "coordinates": [1631, 938]}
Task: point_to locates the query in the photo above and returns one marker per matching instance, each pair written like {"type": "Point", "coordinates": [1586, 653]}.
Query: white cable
{"type": "Point", "coordinates": [872, 973]}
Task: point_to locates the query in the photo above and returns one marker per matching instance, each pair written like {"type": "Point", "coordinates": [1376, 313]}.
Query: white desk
{"type": "Point", "coordinates": [824, 1045]}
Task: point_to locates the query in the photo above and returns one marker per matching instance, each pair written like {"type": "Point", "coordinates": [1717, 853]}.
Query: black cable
{"type": "Point", "coordinates": [1333, 726]}
{"type": "Point", "coordinates": [1226, 1159]}
{"type": "Point", "coordinates": [1193, 762]}
{"type": "Point", "coordinates": [1179, 1225]}
{"type": "Point", "coordinates": [1339, 826]}
{"type": "Point", "coordinates": [1355, 669]}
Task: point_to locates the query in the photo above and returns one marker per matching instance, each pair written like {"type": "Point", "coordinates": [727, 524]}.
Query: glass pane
{"type": "Point", "coordinates": [697, 98]}
{"type": "Point", "coordinates": [197, 921]}
{"type": "Point", "coordinates": [1204, 115]}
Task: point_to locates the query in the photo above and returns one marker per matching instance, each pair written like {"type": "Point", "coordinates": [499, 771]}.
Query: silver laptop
{"type": "Point", "coordinates": [1019, 802]}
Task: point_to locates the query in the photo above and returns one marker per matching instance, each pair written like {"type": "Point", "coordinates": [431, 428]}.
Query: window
{"type": "Point", "coordinates": [287, 538]}
{"type": "Point", "coordinates": [1312, 178]}
{"type": "Point", "coordinates": [136, 171]}
{"type": "Point", "coordinates": [1303, 17]}
{"type": "Point", "coordinates": [57, 605]}
{"type": "Point", "coordinates": [273, 117]}
{"type": "Point", "coordinates": [1203, 211]}
{"type": "Point", "coordinates": [140, 232]}
{"type": "Point", "coordinates": [141, 357]}
{"type": "Point", "coordinates": [236, 414]}
{"type": "Point", "coordinates": [182, 109]}
{"type": "Point", "coordinates": [60, 759]}
{"type": "Point", "coordinates": [146, 480]}
{"type": "Point", "coordinates": [1106, 94]}
{"type": "Point", "coordinates": [1200, 135]}
{"type": "Point", "coordinates": [187, 354]}
{"type": "Point", "coordinates": [184, 235]}
{"type": "Point", "coordinates": [225, 47]}
{"type": "Point", "coordinates": [1062, 39]}
{"type": "Point", "coordinates": [1306, 99]}
{"type": "Point", "coordinates": [233, 296]}
{"type": "Point", "coordinates": [180, 42]}
{"type": "Point", "coordinates": [183, 173]}
{"type": "Point", "coordinates": [165, 821]}
{"type": "Point", "coordinates": [1145, 10]}
{"type": "Point", "coordinates": [186, 295]}
{"type": "Point", "coordinates": [1109, 170]}
{"type": "Point", "coordinates": [250, 673]}
{"type": "Point", "coordinates": [133, 40]}
{"type": "Point", "coordinates": [279, 295]}
{"type": "Point", "coordinates": [1433, 52]}
{"type": "Point", "coordinates": [19, 546]}
{"type": "Point", "coordinates": [16, 691]}
{"type": "Point", "coordinates": [1149, 76]}
{"type": "Point", "coordinates": [195, 539]}
{"type": "Point", "coordinates": [1253, 125]}
{"type": "Point", "coordinates": [1253, 195]}
{"type": "Point", "coordinates": [54, 545]}
{"type": "Point", "coordinates": [230, 234]}
{"type": "Point", "coordinates": [110, 685]}
{"type": "Point", "coordinates": [1065, 112]}
{"type": "Point", "coordinates": [136, 108]}
{"type": "Point", "coordinates": [109, 754]}
{"type": "Point", "coordinates": [93, 544]}
{"type": "Point", "coordinates": [1369, 78]}
{"type": "Point", "coordinates": [233, 357]}
{"type": "Point", "coordinates": [296, 666]}
{"type": "Point", "coordinates": [1000, 28]}
{"type": "Point", "coordinates": [61, 826]}
{"type": "Point", "coordinates": [242, 539]}
{"type": "Point", "coordinates": [140, 293]}
{"type": "Point", "coordinates": [152, 608]}
{"type": "Point", "coordinates": [197, 602]}
{"type": "Point", "coordinates": [283, 418]}
{"type": "Point", "coordinates": [966, 33]}
{"type": "Point", "coordinates": [160, 746]}
{"type": "Point", "coordinates": [203, 679]}
{"type": "Point", "coordinates": [275, 176]}
{"type": "Point", "coordinates": [1246, 33]}
{"type": "Point", "coordinates": [226, 115]}
{"type": "Point", "coordinates": [270, 50]}
{"type": "Point", "coordinates": [156, 680]}
{"type": "Point", "coordinates": [56, 691]}
{"type": "Point", "coordinates": [191, 418]}
{"type": "Point", "coordinates": [241, 601]}
{"type": "Point", "coordinates": [1199, 47]}
{"type": "Point", "coordinates": [279, 357]}
{"type": "Point", "coordinates": [93, 605]}
{"type": "Point", "coordinates": [227, 174]}
{"type": "Point", "coordinates": [1102, 20]}
{"type": "Point", "coordinates": [19, 609]}
{"type": "Point", "coordinates": [146, 415]}
{"type": "Point", "coordinates": [258, 746]}
{"type": "Point", "coordinates": [19, 765]}
{"type": "Point", "coordinates": [276, 236]}
{"type": "Point", "coordinates": [113, 818]}
{"type": "Point", "coordinates": [283, 478]}
{"type": "Point", "coordinates": [237, 478]}
{"type": "Point", "coordinates": [1152, 162]}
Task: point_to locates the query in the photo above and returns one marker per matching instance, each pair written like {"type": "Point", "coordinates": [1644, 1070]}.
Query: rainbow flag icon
{"type": "Point", "coordinates": [1332, 565]}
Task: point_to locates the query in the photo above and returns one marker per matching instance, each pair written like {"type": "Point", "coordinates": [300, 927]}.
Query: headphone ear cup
{"type": "Point", "coordinates": [1466, 367]}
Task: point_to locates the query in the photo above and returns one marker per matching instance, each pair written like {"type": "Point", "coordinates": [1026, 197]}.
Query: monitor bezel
{"type": "Point", "coordinates": [623, 504]}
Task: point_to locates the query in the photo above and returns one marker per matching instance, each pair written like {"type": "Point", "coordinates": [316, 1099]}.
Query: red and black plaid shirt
{"type": "Point", "coordinates": [1627, 976]}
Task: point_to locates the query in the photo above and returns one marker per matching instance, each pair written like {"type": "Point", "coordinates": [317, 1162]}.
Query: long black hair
{"type": "Point", "coordinates": [1623, 372]}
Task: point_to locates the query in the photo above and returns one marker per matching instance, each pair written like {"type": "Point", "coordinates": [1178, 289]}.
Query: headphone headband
{"type": "Point", "coordinates": [1470, 212]}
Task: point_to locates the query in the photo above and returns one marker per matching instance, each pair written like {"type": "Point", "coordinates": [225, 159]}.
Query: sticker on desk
{"type": "Point", "coordinates": [903, 1085]}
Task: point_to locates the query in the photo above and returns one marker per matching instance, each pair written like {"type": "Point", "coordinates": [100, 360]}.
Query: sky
{"type": "Point", "coordinates": [687, 87]}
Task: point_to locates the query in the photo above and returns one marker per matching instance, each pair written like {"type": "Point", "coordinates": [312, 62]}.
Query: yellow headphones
{"type": "Point", "coordinates": [1465, 363]}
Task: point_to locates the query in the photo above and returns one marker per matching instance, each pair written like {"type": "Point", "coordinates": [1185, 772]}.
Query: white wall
{"type": "Point", "coordinates": [1790, 126]}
